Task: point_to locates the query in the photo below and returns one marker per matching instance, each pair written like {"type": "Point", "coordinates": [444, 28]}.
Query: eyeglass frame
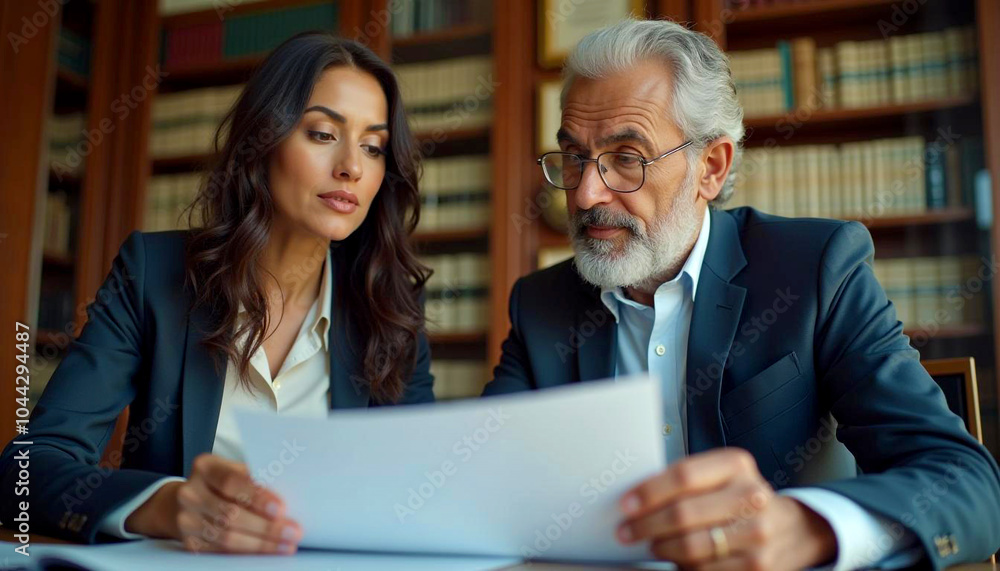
{"type": "Point", "coordinates": [583, 163]}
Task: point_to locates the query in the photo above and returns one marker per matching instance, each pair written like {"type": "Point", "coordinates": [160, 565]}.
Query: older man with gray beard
{"type": "Point", "coordinates": [764, 331]}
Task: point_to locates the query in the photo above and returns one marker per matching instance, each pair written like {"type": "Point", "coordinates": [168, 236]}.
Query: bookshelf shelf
{"type": "Point", "coordinates": [213, 15]}
{"type": "Point", "coordinates": [58, 260]}
{"type": "Point", "coordinates": [425, 137]}
{"type": "Point", "coordinates": [71, 91]}
{"type": "Point", "coordinates": [182, 163]}
{"type": "Point", "coordinates": [225, 72]}
{"type": "Point", "coordinates": [68, 180]}
{"type": "Point", "coordinates": [476, 337]}
{"type": "Point", "coordinates": [959, 331]}
{"type": "Point", "coordinates": [768, 14]}
{"type": "Point", "coordinates": [442, 143]}
{"type": "Point", "coordinates": [457, 33]}
{"type": "Point", "coordinates": [69, 80]}
{"type": "Point", "coordinates": [931, 217]}
{"type": "Point", "coordinates": [838, 121]}
{"type": "Point", "coordinates": [448, 236]}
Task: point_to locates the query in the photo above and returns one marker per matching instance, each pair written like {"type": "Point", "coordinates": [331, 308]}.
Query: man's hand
{"type": "Point", "coordinates": [715, 511]}
{"type": "Point", "coordinates": [219, 508]}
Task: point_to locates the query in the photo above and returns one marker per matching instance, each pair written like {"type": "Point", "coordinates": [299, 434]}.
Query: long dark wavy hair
{"type": "Point", "coordinates": [377, 276]}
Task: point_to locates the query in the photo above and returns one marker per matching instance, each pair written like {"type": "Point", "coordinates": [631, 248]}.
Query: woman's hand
{"type": "Point", "coordinates": [219, 508]}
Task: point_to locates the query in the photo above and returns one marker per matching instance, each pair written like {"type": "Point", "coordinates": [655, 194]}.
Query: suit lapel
{"type": "Point", "coordinates": [348, 386]}
{"type": "Point", "coordinates": [201, 388]}
{"type": "Point", "coordinates": [714, 320]}
{"type": "Point", "coordinates": [595, 338]}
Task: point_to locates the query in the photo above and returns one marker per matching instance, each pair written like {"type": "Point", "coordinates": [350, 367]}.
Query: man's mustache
{"type": "Point", "coordinates": [604, 217]}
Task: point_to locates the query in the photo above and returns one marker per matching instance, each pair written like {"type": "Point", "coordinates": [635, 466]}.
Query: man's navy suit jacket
{"type": "Point", "coordinates": [142, 348]}
{"type": "Point", "coordinates": [789, 326]}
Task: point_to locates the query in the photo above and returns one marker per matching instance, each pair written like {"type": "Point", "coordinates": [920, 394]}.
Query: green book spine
{"type": "Point", "coordinates": [787, 81]}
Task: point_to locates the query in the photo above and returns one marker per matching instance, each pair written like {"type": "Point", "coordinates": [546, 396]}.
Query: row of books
{"type": "Point", "coordinates": [415, 16]}
{"type": "Point", "coordinates": [455, 193]}
{"type": "Point", "coordinates": [166, 199]}
{"type": "Point", "coordinates": [234, 36]}
{"type": "Point", "coordinates": [74, 52]}
{"type": "Point", "coordinates": [866, 179]}
{"type": "Point", "coordinates": [938, 291]}
{"type": "Point", "coordinates": [58, 236]}
{"type": "Point", "coordinates": [459, 378]}
{"type": "Point", "coordinates": [457, 294]}
{"type": "Point", "coordinates": [66, 132]}
{"type": "Point", "coordinates": [184, 122]}
{"type": "Point", "coordinates": [902, 69]}
{"type": "Point", "coordinates": [448, 94]}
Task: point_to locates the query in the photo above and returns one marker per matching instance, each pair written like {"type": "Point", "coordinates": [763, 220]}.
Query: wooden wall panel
{"type": "Point", "coordinates": [27, 83]}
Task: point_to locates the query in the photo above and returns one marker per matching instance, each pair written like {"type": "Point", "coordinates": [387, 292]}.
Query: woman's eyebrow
{"type": "Point", "coordinates": [341, 119]}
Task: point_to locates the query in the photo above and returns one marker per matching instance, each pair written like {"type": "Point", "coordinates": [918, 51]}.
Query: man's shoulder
{"type": "Point", "coordinates": [764, 232]}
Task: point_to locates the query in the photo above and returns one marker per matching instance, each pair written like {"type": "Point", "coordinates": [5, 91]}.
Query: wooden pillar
{"type": "Point", "coordinates": [513, 161]}
{"type": "Point", "coordinates": [27, 85]}
{"type": "Point", "coordinates": [988, 17]}
{"type": "Point", "coordinates": [676, 10]}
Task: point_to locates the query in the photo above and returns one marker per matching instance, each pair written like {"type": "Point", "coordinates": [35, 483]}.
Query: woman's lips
{"type": "Point", "coordinates": [604, 232]}
{"type": "Point", "coordinates": [340, 201]}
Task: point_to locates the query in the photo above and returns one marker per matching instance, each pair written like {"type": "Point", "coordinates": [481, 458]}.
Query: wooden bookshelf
{"type": "Point", "coordinates": [958, 331]}
{"type": "Point", "coordinates": [225, 72]}
{"type": "Point", "coordinates": [69, 80]}
{"type": "Point", "coordinates": [840, 120]}
{"type": "Point", "coordinates": [58, 261]}
{"type": "Point", "coordinates": [445, 36]}
{"type": "Point", "coordinates": [451, 236]}
{"type": "Point", "coordinates": [229, 9]}
{"type": "Point", "coordinates": [475, 338]}
{"type": "Point", "coordinates": [810, 9]}
{"type": "Point", "coordinates": [181, 163]}
{"type": "Point", "coordinates": [929, 218]}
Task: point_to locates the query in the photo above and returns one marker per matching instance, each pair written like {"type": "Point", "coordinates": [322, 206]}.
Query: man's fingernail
{"type": "Point", "coordinates": [288, 533]}
{"type": "Point", "coordinates": [630, 504]}
{"type": "Point", "coordinates": [625, 534]}
{"type": "Point", "coordinates": [272, 509]}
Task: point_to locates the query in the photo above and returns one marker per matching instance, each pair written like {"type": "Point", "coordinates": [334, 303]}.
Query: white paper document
{"type": "Point", "coordinates": [533, 475]}
{"type": "Point", "coordinates": [160, 554]}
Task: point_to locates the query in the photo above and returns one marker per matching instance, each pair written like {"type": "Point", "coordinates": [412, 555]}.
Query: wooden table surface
{"type": "Point", "coordinates": [7, 535]}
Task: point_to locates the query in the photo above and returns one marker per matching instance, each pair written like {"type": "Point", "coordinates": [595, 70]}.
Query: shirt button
{"type": "Point", "coordinates": [277, 385]}
{"type": "Point", "coordinates": [667, 429]}
{"type": "Point", "coordinates": [660, 350]}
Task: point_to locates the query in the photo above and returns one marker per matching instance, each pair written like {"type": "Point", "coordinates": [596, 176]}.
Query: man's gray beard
{"type": "Point", "coordinates": [646, 256]}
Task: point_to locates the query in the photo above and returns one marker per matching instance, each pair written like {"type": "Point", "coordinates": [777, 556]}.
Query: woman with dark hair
{"type": "Point", "coordinates": [296, 291]}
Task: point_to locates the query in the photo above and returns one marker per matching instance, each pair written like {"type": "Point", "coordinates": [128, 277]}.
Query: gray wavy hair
{"type": "Point", "coordinates": [705, 106]}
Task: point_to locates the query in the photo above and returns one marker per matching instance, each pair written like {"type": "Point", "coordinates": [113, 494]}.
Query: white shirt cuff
{"type": "Point", "coordinates": [864, 539]}
{"type": "Point", "coordinates": [114, 522]}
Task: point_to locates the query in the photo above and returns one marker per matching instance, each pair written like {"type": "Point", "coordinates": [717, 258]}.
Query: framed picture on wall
{"type": "Point", "coordinates": [563, 23]}
{"type": "Point", "coordinates": [548, 116]}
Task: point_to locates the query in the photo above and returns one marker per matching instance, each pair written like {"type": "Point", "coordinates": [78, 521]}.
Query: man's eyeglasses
{"type": "Point", "coordinates": [621, 172]}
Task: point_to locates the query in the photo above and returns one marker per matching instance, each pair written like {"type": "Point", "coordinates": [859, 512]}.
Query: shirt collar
{"type": "Point", "coordinates": [321, 325]}
{"type": "Point", "coordinates": [611, 297]}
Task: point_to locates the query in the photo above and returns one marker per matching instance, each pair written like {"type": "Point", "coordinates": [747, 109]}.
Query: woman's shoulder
{"type": "Point", "coordinates": [162, 243]}
{"type": "Point", "coordinates": [160, 255]}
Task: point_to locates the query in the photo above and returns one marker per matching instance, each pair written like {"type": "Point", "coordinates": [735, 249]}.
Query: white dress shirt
{"type": "Point", "coordinates": [655, 340]}
{"type": "Point", "coordinates": [301, 388]}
